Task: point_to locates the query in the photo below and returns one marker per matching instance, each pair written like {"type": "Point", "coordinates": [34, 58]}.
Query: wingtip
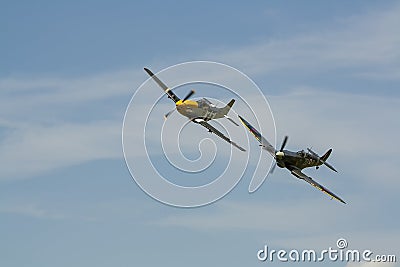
{"type": "Point", "coordinates": [239, 147]}
{"type": "Point", "coordinates": [341, 200]}
{"type": "Point", "coordinates": [148, 71]}
{"type": "Point", "coordinates": [231, 120]}
{"type": "Point", "coordinates": [242, 120]}
{"type": "Point", "coordinates": [330, 167]}
{"type": "Point", "coordinates": [338, 199]}
{"type": "Point", "coordinates": [230, 104]}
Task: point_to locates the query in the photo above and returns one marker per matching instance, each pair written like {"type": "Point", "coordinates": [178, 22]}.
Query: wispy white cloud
{"type": "Point", "coordinates": [238, 216]}
{"type": "Point", "coordinates": [33, 149]}
{"type": "Point", "coordinates": [50, 123]}
{"type": "Point", "coordinates": [104, 209]}
{"type": "Point", "coordinates": [72, 89]}
{"type": "Point", "coordinates": [31, 210]}
{"type": "Point", "coordinates": [321, 223]}
{"type": "Point", "coordinates": [366, 43]}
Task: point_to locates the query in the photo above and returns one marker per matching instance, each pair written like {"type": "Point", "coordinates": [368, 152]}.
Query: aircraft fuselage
{"type": "Point", "coordinates": [298, 159]}
{"type": "Point", "coordinates": [200, 110]}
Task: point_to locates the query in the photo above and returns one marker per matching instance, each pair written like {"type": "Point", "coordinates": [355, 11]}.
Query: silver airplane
{"type": "Point", "coordinates": [200, 111]}
{"type": "Point", "coordinates": [295, 161]}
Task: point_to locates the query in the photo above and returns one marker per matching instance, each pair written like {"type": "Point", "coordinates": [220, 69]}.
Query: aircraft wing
{"type": "Point", "coordinates": [264, 143]}
{"type": "Point", "coordinates": [215, 131]}
{"type": "Point", "coordinates": [167, 90]}
{"type": "Point", "coordinates": [299, 174]}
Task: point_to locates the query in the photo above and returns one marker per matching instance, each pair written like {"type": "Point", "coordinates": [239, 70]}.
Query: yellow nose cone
{"type": "Point", "coordinates": [187, 103]}
{"type": "Point", "coordinates": [279, 154]}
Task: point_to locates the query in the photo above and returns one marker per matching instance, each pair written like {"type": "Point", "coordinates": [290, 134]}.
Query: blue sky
{"type": "Point", "coordinates": [330, 72]}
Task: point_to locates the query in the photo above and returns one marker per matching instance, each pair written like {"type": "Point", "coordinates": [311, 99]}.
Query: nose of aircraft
{"type": "Point", "coordinates": [280, 154]}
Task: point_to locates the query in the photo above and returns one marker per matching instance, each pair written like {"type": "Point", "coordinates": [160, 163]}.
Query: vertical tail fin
{"type": "Point", "coordinates": [228, 106]}
{"type": "Point", "coordinates": [326, 155]}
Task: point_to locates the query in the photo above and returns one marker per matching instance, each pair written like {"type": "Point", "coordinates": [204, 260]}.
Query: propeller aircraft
{"type": "Point", "coordinates": [200, 111]}
{"type": "Point", "coordinates": [295, 162]}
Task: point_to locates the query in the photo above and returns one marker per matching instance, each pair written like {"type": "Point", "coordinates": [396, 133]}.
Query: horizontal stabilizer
{"type": "Point", "coordinates": [226, 109]}
{"type": "Point", "coordinates": [231, 120]}
{"type": "Point", "coordinates": [325, 157]}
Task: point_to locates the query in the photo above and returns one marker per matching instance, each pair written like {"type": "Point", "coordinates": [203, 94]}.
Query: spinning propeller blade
{"type": "Point", "coordinates": [284, 143]}
{"type": "Point", "coordinates": [169, 113]}
{"type": "Point", "coordinates": [188, 96]}
{"type": "Point", "coordinates": [273, 168]}
{"type": "Point", "coordinates": [279, 154]}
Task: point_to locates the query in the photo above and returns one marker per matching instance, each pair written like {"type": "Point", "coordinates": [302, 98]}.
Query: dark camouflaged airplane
{"type": "Point", "coordinates": [295, 161]}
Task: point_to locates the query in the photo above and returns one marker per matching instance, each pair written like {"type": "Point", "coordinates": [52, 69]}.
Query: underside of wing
{"type": "Point", "coordinates": [299, 174]}
{"type": "Point", "coordinates": [167, 90]}
{"type": "Point", "coordinates": [217, 132]}
{"type": "Point", "coordinates": [264, 143]}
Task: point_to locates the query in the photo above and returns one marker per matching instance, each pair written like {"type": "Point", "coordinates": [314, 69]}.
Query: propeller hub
{"type": "Point", "coordinates": [280, 154]}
